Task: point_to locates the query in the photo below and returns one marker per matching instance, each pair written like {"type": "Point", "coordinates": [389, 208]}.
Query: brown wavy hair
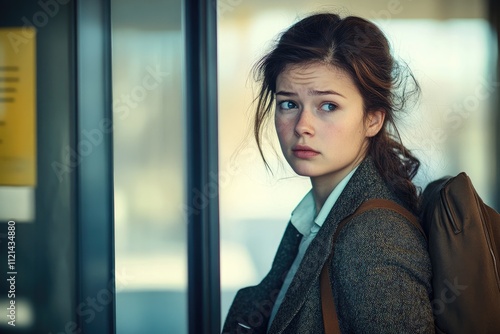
{"type": "Point", "coordinates": [358, 47]}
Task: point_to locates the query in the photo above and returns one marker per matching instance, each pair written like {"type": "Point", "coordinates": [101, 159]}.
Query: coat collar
{"type": "Point", "coordinates": [366, 183]}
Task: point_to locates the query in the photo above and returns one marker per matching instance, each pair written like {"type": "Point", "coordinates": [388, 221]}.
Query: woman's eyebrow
{"type": "Point", "coordinates": [311, 92]}
{"type": "Point", "coordinates": [284, 93]}
{"type": "Point", "coordinates": [324, 92]}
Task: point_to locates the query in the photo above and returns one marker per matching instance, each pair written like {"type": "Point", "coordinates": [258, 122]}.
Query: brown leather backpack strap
{"type": "Point", "coordinates": [330, 319]}
{"type": "Point", "coordinates": [380, 203]}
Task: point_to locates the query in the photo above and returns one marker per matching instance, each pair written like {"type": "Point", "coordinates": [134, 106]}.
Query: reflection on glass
{"type": "Point", "coordinates": [149, 167]}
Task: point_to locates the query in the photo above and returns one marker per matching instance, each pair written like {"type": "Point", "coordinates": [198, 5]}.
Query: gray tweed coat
{"type": "Point", "coordinates": [380, 273]}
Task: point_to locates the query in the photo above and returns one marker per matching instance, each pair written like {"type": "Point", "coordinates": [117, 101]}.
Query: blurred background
{"type": "Point", "coordinates": [451, 47]}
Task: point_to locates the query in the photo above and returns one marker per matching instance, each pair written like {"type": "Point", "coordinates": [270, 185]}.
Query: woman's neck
{"type": "Point", "coordinates": [322, 186]}
{"type": "Point", "coordinates": [321, 190]}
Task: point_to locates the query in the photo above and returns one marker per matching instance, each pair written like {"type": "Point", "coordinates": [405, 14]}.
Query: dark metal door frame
{"type": "Point", "coordinates": [200, 28]}
{"type": "Point", "coordinates": [94, 184]}
{"type": "Point", "coordinates": [494, 12]}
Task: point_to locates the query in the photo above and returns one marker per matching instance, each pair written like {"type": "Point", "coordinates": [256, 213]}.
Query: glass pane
{"type": "Point", "coordinates": [44, 212]}
{"type": "Point", "coordinates": [149, 167]}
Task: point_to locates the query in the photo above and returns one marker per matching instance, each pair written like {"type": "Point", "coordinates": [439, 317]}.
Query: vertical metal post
{"type": "Point", "coordinates": [494, 12]}
{"type": "Point", "coordinates": [94, 157]}
{"type": "Point", "coordinates": [200, 27]}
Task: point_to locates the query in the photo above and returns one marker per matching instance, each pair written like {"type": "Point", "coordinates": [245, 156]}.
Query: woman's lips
{"type": "Point", "coordinates": [304, 152]}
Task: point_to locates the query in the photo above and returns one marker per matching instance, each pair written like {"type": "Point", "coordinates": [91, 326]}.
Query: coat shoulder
{"type": "Point", "coordinates": [382, 275]}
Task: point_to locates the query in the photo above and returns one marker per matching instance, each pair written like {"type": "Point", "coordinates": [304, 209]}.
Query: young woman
{"type": "Point", "coordinates": [334, 89]}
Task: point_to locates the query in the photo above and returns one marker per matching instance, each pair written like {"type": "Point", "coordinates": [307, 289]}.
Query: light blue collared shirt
{"type": "Point", "coordinates": [303, 220]}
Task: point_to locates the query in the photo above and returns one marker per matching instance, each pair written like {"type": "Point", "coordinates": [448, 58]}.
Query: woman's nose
{"type": "Point", "coordinates": [304, 123]}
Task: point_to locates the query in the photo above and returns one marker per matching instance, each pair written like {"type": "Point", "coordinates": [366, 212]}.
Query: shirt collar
{"type": "Point", "coordinates": [303, 214]}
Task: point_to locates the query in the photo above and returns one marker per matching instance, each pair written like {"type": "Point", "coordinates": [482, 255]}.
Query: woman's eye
{"type": "Point", "coordinates": [328, 107]}
{"type": "Point", "coordinates": [287, 105]}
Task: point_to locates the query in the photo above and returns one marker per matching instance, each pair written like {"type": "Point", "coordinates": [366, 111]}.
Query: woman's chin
{"type": "Point", "coordinates": [307, 172]}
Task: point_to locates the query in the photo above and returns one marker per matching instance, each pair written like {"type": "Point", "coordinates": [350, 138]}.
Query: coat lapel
{"type": "Point", "coordinates": [307, 276]}
{"type": "Point", "coordinates": [252, 305]}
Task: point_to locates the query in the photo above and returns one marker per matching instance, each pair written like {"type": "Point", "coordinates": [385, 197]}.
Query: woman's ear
{"type": "Point", "coordinates": [374, 122]}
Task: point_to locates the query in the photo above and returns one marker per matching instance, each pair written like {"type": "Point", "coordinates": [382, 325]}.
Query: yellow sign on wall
{"type": "Point", "coordinates": [17, 107]}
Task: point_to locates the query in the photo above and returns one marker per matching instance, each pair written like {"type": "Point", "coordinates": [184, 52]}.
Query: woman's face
{"type": "Point", "coordinates": [319, 121]}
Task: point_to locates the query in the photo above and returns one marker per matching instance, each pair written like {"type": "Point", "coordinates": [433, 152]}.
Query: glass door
{"type": "Point", "coordinates": [149, 166]}
{"type": "Point", "coordinates": [165, 166]}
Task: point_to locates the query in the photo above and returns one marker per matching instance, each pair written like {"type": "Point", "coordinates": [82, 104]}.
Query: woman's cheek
{"type": "Point", "coordinates": [282, 127]}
